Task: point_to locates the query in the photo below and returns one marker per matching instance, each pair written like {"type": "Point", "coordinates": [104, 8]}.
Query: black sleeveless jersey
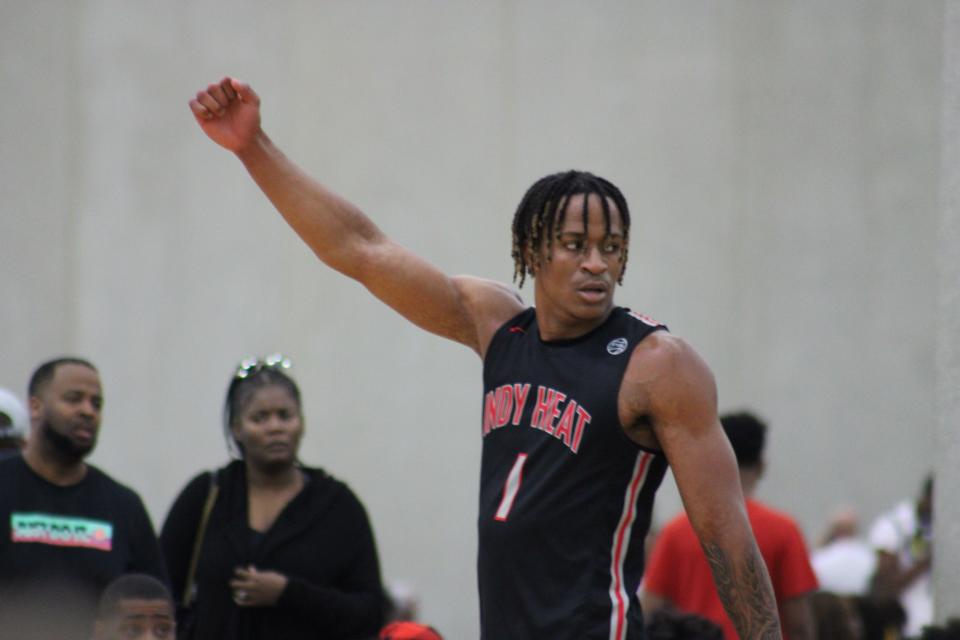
{"type": "Point", "coordinates": [565, 496]}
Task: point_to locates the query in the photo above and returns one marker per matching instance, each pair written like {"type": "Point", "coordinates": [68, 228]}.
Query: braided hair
{"type": "Point", "coordinates": [543, 209]}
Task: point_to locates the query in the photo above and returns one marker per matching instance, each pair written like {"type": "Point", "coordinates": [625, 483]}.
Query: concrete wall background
{"type": "Point", "coordinates": [781, 161]}
{"type": "Point", "coordinates": [947, 452]}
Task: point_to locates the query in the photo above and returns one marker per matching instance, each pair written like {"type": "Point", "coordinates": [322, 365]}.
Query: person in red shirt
{"type": "Point", "coordinates": [679, 575]}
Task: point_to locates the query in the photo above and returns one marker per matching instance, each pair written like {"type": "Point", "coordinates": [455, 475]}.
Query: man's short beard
{"type": "Point", "coordinates": [63, 447]}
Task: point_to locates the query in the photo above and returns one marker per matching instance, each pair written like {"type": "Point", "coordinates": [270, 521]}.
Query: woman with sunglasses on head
{"type": "Point", "coordinates": [266, 547]}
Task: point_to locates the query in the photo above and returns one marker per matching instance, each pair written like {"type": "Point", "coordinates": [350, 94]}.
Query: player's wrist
{"type": "Point", "coordinates": [256, 148]}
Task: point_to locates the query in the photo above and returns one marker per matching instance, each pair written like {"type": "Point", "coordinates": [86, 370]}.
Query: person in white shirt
{"type": "Point", "coordinates": [902, 538]}
{"type": "Point", "coordinates": [844, 561]}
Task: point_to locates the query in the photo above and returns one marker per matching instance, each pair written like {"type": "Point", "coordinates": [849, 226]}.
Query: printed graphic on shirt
{"type": "Point", "coordinates": [61, 531]}
{"type": "Point", "coordinates": [553, 412]}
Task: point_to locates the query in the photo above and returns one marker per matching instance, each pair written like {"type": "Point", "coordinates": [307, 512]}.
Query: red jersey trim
{"type": "Point", "coordinates": [618, 593]}
{"type": "Point", "coordinates": [647, 320]}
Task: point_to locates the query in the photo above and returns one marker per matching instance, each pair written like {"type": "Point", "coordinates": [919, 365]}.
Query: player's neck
{"type": "Point", "coordinates": [53, 468]}
{"type": "Point", "coordinates": [553, 327]}
{"type": "Point", "coordinates": [554, 322]}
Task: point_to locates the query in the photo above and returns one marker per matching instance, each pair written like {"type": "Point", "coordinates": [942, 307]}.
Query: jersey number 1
{"type": "Point", "coordinates": [510, 488]}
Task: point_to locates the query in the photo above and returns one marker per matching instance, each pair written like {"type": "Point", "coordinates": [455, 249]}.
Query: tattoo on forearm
{"type": "Point", "coordinates": [745, 594]}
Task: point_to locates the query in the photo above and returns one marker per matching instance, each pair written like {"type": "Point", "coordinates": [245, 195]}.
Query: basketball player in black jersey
{"type": "Point", "coordinates": [585, 403]}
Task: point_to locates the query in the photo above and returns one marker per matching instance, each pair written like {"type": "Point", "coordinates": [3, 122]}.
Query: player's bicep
{"type": "Point", "coordinates": [452, 307]}
{"type": "Point", "coordinates": [684, 419]}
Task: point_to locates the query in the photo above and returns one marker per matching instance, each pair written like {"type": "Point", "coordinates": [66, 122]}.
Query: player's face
{"type": "Point", "coordinates": [67, 411]}
{"type": "Point", "coordinates": [139, 620]}
{"type": "Point", "coordinates": [269, 427]}
{"type": "Point", "coordinates": [574, 287]}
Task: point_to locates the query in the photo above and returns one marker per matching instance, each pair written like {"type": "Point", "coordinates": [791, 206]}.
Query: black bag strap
{"type": "Point", "coordinates": [189, 590]}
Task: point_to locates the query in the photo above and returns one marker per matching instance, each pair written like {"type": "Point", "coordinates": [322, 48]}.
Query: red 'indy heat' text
{"type": "Point", "coordinates": [552, 413]}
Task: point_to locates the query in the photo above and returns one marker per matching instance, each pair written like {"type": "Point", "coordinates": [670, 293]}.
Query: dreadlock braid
{"type": "Point", "coordinates": [542, 212]}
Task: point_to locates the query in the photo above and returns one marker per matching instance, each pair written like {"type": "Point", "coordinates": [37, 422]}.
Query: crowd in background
{"type": "Point", "coordinates": [852, 585]}
{"type": "Point", "coordinates": [267, 509]}
{"type": "Point", "coordinates": [264, 547]}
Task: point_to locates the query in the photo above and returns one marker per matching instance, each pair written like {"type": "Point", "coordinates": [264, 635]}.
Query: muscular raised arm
{"type": "Point", "coordinates": [670, 390]}
{"type": "Point", "coordinates": [463, 309]}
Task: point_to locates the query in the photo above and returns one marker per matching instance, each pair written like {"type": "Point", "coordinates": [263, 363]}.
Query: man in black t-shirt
{"type": "Point", "coordinates": [68, 529]}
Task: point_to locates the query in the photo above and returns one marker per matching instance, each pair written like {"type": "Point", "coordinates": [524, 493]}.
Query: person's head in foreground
{"type": "Point", "coordinates": [135, 607]}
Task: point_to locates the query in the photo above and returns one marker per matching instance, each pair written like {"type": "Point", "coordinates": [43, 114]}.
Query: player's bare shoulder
{"type": "Point", "coordinates": [489, 304]}
{"type": "Point", "coordinates": [666, 382]}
